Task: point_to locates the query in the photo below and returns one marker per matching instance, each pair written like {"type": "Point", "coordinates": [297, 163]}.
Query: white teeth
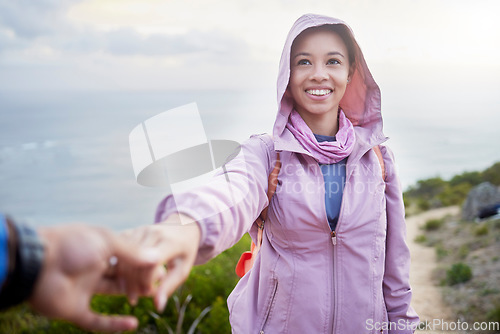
{"type": "Point", "coordinates": [319, 92]}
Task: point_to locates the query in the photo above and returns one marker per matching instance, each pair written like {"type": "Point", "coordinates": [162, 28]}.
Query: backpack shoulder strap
{"type": "Point", "coordinates": [377, 151]}
{"type": "Point", "coordinates": [272, 184]}
{"type": "Point", "coordinates": [271, 189]}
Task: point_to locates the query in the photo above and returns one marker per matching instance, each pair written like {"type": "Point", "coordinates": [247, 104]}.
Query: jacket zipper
{"type": "Point", "coordinates": [333, 235]}
{"type": "Point", "coordinates": [334, 242]}
{"type": "Point", "coordinates": [270, 307]}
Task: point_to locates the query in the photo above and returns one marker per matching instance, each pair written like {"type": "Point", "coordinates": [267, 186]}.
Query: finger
{"type": "Point", "coordinates": [111, 286]}
{"type": "Point", "coordinates": [104, 323]}
{"type": "Point", "coordinates": [142, 281]}
{"type": "Point", "coordinates": [130, 254]}
{"type": "Point", "coordinates": [135, 266]}
{"type": "Point", "coordinates": [175, 276]}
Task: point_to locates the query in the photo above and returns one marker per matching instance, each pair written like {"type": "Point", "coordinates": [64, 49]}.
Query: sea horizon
{"type": "Point", "coordinates": [64, 156]}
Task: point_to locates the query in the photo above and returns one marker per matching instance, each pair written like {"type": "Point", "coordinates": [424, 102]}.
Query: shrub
{"type": "Point", "coordinates": [423, 204]}
{"type": "Point", "coordinates": [427, 188]}
{"type": "Point", "coordinates": [481, 230]}
{"type": "Point", "coordinates": [454, 195]}
{"type": "Point", "coordinates": [494, 315]}
{"type": "Point", "coordinates": [420, 238]}
{"type": "Point", "coordinates": [433, 224]}
{"type": "Point", "coordinates": [458, 273]}
{"type": "Point", "coordinates": [492, 174]}
{"type": "Point", "coordinates": [471, 178]}
{"type": "Point", "coordinates": [441, 252]}
{"type": "Point", "coordinates": [463, 251]}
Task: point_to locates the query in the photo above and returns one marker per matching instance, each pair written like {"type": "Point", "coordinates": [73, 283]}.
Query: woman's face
{"type": "Point", "coordinates": [319, 66]}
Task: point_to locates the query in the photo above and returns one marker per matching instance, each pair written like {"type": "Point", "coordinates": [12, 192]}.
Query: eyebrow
{"type": "Point", "coordinates": [333, 53]}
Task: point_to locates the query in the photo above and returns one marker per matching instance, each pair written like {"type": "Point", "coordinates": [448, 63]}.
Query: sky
{"type": "Point", "coordinates": [436, 61]}
{"type": "Point", "coordinates": [235, 45]}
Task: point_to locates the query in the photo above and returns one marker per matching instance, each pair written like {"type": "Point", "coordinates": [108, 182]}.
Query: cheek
{"type": "Point", "coordinates": [341, 80]}
{"type": "Point", "coordinates": [293, 84]}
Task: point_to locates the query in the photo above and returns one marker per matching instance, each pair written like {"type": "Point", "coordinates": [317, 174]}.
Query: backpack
{"type": "Point", "coordinates": [247, 259]}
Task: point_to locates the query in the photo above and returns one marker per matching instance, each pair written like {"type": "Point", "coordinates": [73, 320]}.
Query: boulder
{"type": "Point", "coordinates": [479, 197]}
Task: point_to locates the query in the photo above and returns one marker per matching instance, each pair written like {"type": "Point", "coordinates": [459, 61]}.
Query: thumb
{"type": "Point", "coordinates": [106, 323]}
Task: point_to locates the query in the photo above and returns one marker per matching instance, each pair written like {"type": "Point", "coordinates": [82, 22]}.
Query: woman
{"type": "Point", "coordinates": [333, 257]}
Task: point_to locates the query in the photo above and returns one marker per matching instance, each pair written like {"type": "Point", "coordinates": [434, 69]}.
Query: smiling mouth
{"type": "Point", "coordinates": [319, 92]}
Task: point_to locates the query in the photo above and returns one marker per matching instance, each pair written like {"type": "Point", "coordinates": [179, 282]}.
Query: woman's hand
{"type": "Point", "coordinates": [177, 240]}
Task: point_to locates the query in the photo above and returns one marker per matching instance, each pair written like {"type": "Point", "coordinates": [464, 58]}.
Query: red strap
{"type": "Point", "coordinates": [246, 260]}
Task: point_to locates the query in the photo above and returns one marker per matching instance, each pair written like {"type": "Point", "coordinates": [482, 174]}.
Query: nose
{"type": "Point", "coordinates": [319, 73]}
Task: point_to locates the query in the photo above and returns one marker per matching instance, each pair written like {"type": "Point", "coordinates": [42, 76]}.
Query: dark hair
{"type": "Point", "coordinates": [346, 36]}
{"type": "Point", "coordinates": [348, 39]}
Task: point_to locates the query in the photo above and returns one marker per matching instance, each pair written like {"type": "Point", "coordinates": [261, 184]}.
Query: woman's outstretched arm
{"type": "Point", "coordinates": [197, 225]}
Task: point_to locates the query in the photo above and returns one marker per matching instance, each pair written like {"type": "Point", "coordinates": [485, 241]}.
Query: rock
{"type": "Point", "coordinates": [480, 196]}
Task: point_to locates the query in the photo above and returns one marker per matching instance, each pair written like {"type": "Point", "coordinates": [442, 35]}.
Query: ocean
{"type": "Point", "coordinates": [64, 156]}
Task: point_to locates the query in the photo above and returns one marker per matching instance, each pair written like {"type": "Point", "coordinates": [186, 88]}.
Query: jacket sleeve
{"type": "Point", "coordinates": [396, 282]}
{"type": "Point", "coordinates": [226, 207]}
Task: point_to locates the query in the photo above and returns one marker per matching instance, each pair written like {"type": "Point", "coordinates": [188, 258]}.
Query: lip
{"type": "Point", "coordinates": [318, 97]}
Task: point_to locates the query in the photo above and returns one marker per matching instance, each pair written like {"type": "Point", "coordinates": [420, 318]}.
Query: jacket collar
{"type": "Point", "coordinates": [287, 142]}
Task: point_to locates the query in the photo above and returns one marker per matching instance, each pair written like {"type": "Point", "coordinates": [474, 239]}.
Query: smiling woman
{"type": "Point", "coordinates": [333, 256]}
{"type": "Point", "coordinates": [320, 67]}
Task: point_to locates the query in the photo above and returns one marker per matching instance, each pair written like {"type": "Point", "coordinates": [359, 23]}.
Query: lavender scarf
{"type": "Point", "coordinates": [327, 152]}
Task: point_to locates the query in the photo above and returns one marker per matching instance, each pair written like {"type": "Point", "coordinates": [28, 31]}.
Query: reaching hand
{"type": "Point", "coordinates": [177, 240]}
{"type": "Point", "coordinates": [77, 265]}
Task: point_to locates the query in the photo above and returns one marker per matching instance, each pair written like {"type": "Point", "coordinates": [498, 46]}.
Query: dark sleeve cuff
{"type": "Point", "coordinates": [29, 255]}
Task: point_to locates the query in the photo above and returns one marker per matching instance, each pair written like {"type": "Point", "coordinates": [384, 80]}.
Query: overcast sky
{"type": "Point", "coordinates": [200, 44]}
{"type": "Point", "coordinates": [435, 61]}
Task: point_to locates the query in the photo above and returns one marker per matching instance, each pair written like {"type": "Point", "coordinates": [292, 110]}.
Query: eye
{"type": "Point", "coordinates": [333, 61]}
{"type": "Point", "coordinates": [303, 62]}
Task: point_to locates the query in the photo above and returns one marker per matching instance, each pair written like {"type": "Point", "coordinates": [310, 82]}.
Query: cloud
{"type": "Point", "coordinates": [43, 24]}
{"type": "Point", "coordinates": [126, 41]}
{"type": "Point", "coordinates": [31, 19]}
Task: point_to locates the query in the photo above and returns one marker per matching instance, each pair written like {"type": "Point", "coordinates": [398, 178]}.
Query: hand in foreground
{"type": "Point", "coordinates": [177, 240]}
{"type": "Point", "coordinates": [77, 265]}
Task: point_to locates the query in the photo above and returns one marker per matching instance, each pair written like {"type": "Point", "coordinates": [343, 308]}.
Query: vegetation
{"type": "Point", "coordinates": [467, 252]}
{"type": "Point", "coordinates": [436, 192]}
{"type": "Point", "coordinates": [468, 265]}
{"type": "Point", "coordinates": [198, 306]}
{"type": "Point", "coordinates": [433, 224]}
{"type": "Point", "coordinates": [458, 273]}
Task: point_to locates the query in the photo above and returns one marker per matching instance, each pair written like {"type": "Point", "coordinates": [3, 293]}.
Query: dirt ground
{"type": "Point", "coordinates": [427, 299]}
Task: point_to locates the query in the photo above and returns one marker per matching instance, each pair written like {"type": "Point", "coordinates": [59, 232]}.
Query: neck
{"type": "Point", "coordinates": [326, 124]}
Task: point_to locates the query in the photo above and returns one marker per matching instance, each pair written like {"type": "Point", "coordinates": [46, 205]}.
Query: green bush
{"type": "Point", "coordinates": [428, 188]}
{"type": "Point", "coordinates": [435, 192]}
{"type": "Point", "coordinates": [481, 230]}
{"type": "Point", "coordinates": [463, 251]}
{"type": "Point", "coordinates": [421, 238]}
{"type": "Point", "coordinates": [454, 195]}
{"type": "Point", "coordinates": [492, 174]}
{"type": "Point", "coordinates": [458, 273]}
{"type": "Point", "coordinates": [494, 315]}
{"type": "Point", "coordinates": [441, 252]}
{"type": "Point", "coordinates": [470, 178]}
{"type": "Point", "coordinates": [423, 204]}
{"type": "Point", "coordinates": [433, 224]}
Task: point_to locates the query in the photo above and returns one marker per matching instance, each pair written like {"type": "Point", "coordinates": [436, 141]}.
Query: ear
{"type": "Point", "coordinates": [352, 69]}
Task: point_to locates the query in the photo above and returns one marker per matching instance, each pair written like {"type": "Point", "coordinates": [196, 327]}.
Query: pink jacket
{"type": "Point", "coordinates": [301, 282]}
